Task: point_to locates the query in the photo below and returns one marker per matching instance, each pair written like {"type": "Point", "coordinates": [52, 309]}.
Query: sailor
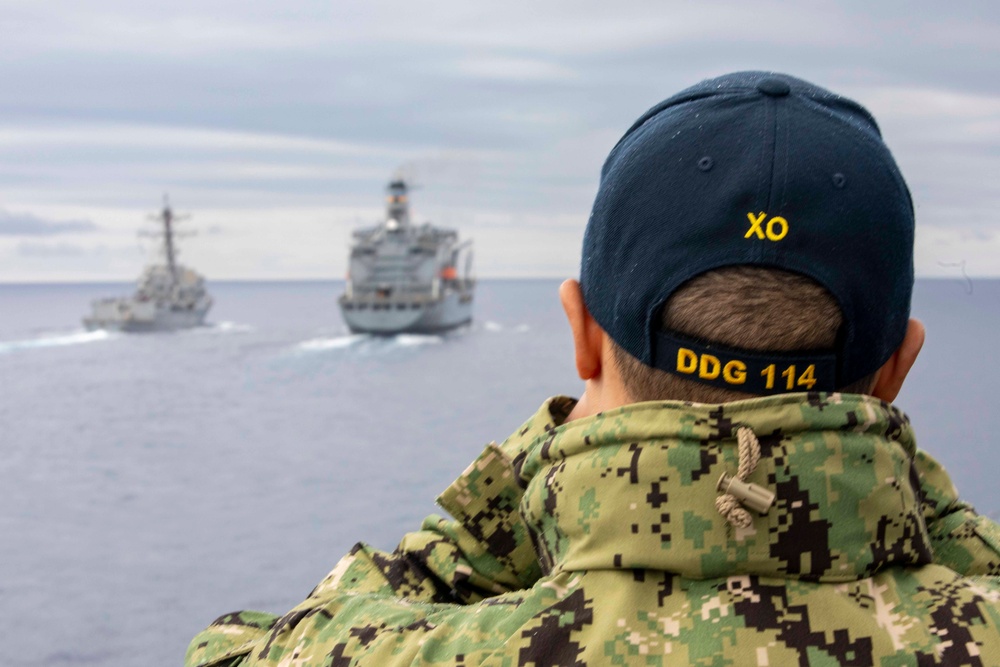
{"type": "Point", "coordinates": [734, 487]}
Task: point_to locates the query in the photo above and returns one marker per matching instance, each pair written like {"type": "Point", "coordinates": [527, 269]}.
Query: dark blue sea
{"type": "Point", "coordinates": [150, 483]}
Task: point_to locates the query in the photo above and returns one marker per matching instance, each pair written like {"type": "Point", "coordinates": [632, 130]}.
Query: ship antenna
{"type": "Point", "coordinates": [398, 207]}
{"type": "Point", "coordinates": [168, 237]}
{"type": "Point", "coordinates": [167, 218]}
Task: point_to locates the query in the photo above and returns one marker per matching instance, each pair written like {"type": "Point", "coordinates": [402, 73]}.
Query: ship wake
{"type": "Point", "coordinates": [55, 340]}
{"type": "Point", "coordinates": [226, 327]}
{"type": "Point", "coordinates": [367, 343]}
{"type": "Point", "coordinates": [496, 327]}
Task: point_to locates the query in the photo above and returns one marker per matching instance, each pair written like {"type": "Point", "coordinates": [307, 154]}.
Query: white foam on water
{"type": "Point", "coordinates": [56, 340]}
{"type": "Point", "coordinates": [229, 327]}
{"type": "Point", "coordinates": [413, 340]}
{"type": "Point", "coordinates": [489, 325]}
{"type": "Point", "coordinates": [365, 344]}
{"type": "Point", "coordinates": [334, 343]}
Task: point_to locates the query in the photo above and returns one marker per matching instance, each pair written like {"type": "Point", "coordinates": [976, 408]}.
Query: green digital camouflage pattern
{"type": "Point", "coordinates": [597, 542]}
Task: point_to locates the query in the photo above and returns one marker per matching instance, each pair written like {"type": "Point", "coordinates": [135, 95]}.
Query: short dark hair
{"type": "Point", "coordinates": [747, 307]}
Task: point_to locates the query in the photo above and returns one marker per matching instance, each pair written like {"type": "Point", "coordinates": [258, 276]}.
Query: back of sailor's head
{"type": "Point", "coordinates": [764, 171]}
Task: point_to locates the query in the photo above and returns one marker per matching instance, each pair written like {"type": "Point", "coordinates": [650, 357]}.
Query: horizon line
{"type": "Point", "coordinates": [31, 283]}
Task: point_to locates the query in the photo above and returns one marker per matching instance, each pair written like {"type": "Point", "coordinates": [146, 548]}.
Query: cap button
{"type": "Point", "coordinates": [774, 87]}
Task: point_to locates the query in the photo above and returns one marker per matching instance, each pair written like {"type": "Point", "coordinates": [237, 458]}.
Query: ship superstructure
{"type": "Point", "coordinates": [407, 278]}
{"type": "Point", "coordinates": [168, 296]}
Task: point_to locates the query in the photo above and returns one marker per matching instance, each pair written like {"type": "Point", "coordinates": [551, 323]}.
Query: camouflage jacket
{"type": "Point", "coordinates": [597, 542]}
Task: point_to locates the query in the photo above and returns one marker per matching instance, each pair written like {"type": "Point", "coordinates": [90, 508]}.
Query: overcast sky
{"type": "Point", "coordinates": [277, 124]}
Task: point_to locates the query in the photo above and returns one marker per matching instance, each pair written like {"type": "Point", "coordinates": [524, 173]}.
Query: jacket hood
{"type": "Point", "coordinates": [635, 488]}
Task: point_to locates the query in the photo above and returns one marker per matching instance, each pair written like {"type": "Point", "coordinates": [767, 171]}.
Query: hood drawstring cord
{"type": "Point", "coordinates": [738, 493]}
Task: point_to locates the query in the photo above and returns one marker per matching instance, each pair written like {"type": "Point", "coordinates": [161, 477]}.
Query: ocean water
{"type": "Point", "coordinates": [152, 482]}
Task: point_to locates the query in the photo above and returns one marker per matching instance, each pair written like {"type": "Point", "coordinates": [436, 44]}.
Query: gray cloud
{"type": "Point", "coordinates": [51, 250]}
{"type": "Point", "coordinates": [269, 107]}
{"type": "Point", "coordinates": [101, 252]}
{"type": "Point", "coordinates": [25, 224]}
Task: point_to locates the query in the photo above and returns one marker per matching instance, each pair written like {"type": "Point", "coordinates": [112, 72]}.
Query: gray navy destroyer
{"type": "Point", "coordinates": [404, 277]}
{"type": "Point", "coordinates": [169, 296]}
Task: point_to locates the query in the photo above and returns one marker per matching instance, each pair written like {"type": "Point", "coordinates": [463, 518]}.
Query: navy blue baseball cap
{"type": "Point", "coordinates": [759, 169]}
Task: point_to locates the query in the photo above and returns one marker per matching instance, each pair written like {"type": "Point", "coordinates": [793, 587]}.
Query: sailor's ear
{"type": "Point", "coordinates": [894, 371]}
{"type": "Point", "coordinates": [587, 335]}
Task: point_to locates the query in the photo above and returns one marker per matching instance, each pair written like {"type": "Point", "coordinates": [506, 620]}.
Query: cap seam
{"type": "Point", "coordinates": [673, 103]}
{"type": "Point", "coordinates": [883, 154]}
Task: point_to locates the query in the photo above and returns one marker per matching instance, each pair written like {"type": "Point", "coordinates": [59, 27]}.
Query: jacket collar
{"type": "Point", "coordinates": [636, 488]}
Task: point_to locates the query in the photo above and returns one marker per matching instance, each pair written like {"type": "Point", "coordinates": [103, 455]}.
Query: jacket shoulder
{"type": "Point", "coordinates": [961, 539]}
{"type": "Point", "coordinates": [228, 639]}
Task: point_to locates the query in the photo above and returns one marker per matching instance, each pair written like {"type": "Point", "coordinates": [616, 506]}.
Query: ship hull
{"type": "Point", "coordinates": [387, 318]}
{"type": "Point", "coordinates": [137, 317]}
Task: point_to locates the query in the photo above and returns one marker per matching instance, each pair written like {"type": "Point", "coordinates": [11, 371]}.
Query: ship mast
{"type": "Point", "coordinates": [168, 239]}
{"type": "Point", "coordinates": [167, 218]}
{"type": "Point", "coordinates": [397, 203]}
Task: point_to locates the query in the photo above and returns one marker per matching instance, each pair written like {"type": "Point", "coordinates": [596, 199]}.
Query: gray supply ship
{"type": "Point", "coordinates": [404, 278]}
{"type": "Point", "coordinates": [169, 296]}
